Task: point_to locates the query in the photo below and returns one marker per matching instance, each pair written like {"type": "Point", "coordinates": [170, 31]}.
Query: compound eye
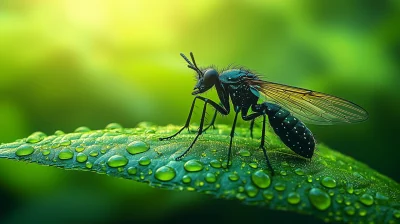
{"type": "Point", "coordinates": [210, 76]}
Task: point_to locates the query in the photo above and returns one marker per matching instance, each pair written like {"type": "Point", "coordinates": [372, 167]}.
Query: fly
{"type": "Point", "coordinates": [284, 105]}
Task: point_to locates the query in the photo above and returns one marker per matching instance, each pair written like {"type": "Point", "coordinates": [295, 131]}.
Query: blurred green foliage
{"type": "Point", "coordinates": [64, 64]}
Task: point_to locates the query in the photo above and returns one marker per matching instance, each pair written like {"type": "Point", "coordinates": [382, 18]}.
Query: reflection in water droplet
{"type": "Point", "coordinates": [117, 161]}
{"type": "Point", "coordinates": [210, 178]}
{"type": "Point", "coordinates": [186, 179]}
{"type": "Point", "coordinates": [319, 198]}
{"type": "Point", "coordinates": [165, 173]}
{"type": "Point", "coordinates": [293, 198]}
{"type": "Point", "coordinates": [251, 191]}
{"type": "Point", "coordinates": [261, 179]}
{"type": "Point", "coordinates": [24, 150]}
{"type": "Point", "coordinates": [193, 166]}
{"type": "Point", "coordinates": [66, 154]}
{"type": "Point", "coordinates": [137, 147]}
{"type": "Point", "coordinates": [215, 163]}
{"type": "Point", "coordinates": [367, 199]}
{"type": "Point", "coordinates": [244, 152]}
{"type": "Point", "coordinates": [328, 182]}
{"type": "Point", "coordinates": [299, 171]}
{"type": "Point", "coordinates": [280, 186]}
{"type": "Point", "coordinates": [144, 161]}
{"type": "Point", "coordinates": [81, 157]}
{"type": "Point", "coordinates": [132, 170]}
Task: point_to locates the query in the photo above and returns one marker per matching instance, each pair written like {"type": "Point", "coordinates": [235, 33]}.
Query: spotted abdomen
{"type": "Point", "coordinates": [291, 130]}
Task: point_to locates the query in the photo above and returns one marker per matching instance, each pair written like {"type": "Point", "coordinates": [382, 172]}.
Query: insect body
{"type": "Point", "coordinates": [283, 106]}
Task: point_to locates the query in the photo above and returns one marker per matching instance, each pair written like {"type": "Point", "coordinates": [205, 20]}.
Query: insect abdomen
{"type": "Point", "coordinates": [291, 131]}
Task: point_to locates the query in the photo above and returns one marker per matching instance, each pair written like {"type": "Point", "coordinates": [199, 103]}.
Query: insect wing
{"type": "Point", "coordinates": [311, 106]}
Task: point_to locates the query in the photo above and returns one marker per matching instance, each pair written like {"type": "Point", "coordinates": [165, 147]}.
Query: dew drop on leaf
{"type": "Point", "coordinates": [193, 166]}
{"type": "Point", "coordinates": [165, 173]}
{"type": "Point", "coordinates": [293, 198]}
{"type": "Point", "coordinates": [117, 161]}
{"type": "Point", "coordinates": [261, 179]}
{"type": "Point", "coordinates": [24, 150]}
{"type": "Point", "coordinates": [137, 147]}
{"type": "Point", "coordinates": [319, 198]}
{"type": "Point", "coordinates": [81, 157]}
{"type": "Point", "coordinates": [66, 154]}
{"type": "Point", "coordinates": [144, 161]}
{"type": "Point", "coordinates": [328, 182]}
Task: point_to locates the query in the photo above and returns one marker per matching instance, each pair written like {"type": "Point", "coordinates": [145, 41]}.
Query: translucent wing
{"type": "Point", "coordinates": [310, 106]}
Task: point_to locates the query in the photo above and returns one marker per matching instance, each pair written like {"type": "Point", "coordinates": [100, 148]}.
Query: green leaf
{"type": "Point", "coordinates": [330, 186]}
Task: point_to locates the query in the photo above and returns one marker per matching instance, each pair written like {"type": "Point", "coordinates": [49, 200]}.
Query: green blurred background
{"type": "Point", "coordinates": [65, 64]}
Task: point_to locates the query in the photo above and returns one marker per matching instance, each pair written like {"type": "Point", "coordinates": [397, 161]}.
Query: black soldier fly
{"type": "Point", "coordinates": [283, 105]}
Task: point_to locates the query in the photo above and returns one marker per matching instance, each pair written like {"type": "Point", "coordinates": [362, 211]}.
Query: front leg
{"type": "Point", "coordinates": [217, 107]}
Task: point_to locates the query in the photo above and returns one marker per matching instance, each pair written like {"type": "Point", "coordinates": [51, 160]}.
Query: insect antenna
{"type": "Point", "coordinates": [194, 67]}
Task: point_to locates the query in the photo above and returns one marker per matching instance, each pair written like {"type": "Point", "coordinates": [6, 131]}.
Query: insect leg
{"type": "Point", "coordinates": [263, 147]}
{"type": "Point", "coordinates": [251, 128]}
{"type": "Point", "coordinates": [232, 135]}
{"type": "Point", "coordinates": [212, 122]}
{"type": "Point", "coordinates": [186, 124]}
{"type": "Point", "coordinates": [217, 107]}
{"type": "Point", "coordinates": [198, 133]}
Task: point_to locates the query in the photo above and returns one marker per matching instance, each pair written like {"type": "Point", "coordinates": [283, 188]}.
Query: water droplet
{"type": "Point", "coordinates": [309, 179]}
{"type": "Point", "coordinates": [144, 161]}
{"type": "Point", "coordinates": [81, 157]}
{"type": "Point", "coordinates": [280, 186]}
{"type": "Point", "coordinates": [244, 152]}
{"type": "Point", "coordinates": [59, 132]}
{"type": "Point", "coordinates": [210, 178]}
{"type": "Point", "coordinates": [137, 147]}
{"type": "Point", "coordinates": [215, 163]}
{"type": "Point", "coordinates": [79, 149]}
{"type": "Point", "coordinates": [24, 150]}
{"type": "Point", "coordinates": [362, 212]}
{"type": "Point", "coordinates": [186, 179]}
{"type": "Point", "coordinates": [113, 126]}
{"type": "Point", "coordinates": [233, 176]}
{"type": "Point", "coordinates": [396, 214]}
{"type": "Point", "coordinates": [36, 137]}
{"type": "Point", "coordinates": [82, 129]}
{"type": "Point", "coordinates": [339, 199]}
{"type": "Point", "coordinates": [66, 154]}
{"type": "Point", "coordinates": [299, 171]}
{"type": "Point", "coordinates": [240, 196]}
{"type": "Point", "coordinates": [268, 194]}
{"type": "Point", "coordinates": [46, 152]}
{"type": "Point", "coordinates": [165, 173]}
{"type": "Point", "coordinates": [132, 170]}
{"type": "Point", "coordinates": [350, 189]}
{"type": "Point", "coordinates": [283, 173]}
{"type": "Point", "coordinates": [328, 182]}
{"type": "Point", "coordinates": [382, 199]}
{"type": "Point", "coordinates": [89, 165]}
{"type": "Point", "coordinates": [284, 163]}
{"type": "Point", "coordinates": [251, 191]}
{"type": "Point", "coordinates": [253, 165]}
{"type": "Point", "coordinates": [193, 166]}
{"type": "Point", "coordinates": [319, 198]}
{"type": "Point", "coordinates": [261, 179]}
{"type": "Point", "coordinates": [94, 153]}
{"type": "Point", "coordinates": [293, 198]}
{"type": "Point", "coordinates": [367, 199]}
{"type": "Point", "coordinates": [350, 210]}
{"type": "Point", "coordinates": [117, 161]}
{"type": "Point", "coordinates": [65, 142]}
